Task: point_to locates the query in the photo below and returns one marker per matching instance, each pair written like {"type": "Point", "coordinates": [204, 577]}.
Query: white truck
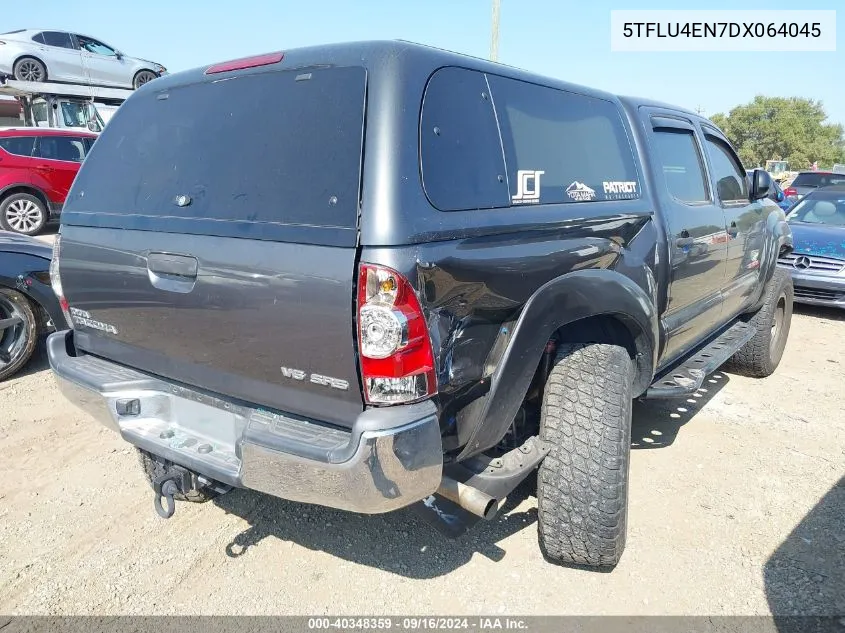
{"type": "Point", "coordinates": [59, 105]}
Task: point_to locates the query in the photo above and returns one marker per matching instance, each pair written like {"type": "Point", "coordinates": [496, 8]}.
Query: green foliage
{"type": "Point", "coordinates": [777, 128]}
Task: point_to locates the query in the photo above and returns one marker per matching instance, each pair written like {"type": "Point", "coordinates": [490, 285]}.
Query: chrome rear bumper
{"type": "Point", "coordinates": [391, 458]}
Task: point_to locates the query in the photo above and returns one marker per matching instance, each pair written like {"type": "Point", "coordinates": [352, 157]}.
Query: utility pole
{"type": "Point", "coordinates": [494, 41]}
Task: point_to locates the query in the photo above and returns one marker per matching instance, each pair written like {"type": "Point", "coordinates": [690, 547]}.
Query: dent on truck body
{"type": "Point", "coordinates": [475, 292]}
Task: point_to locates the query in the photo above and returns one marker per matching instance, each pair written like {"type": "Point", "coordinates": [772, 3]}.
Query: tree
{"type": "Point", "coordinates": [777, 128]}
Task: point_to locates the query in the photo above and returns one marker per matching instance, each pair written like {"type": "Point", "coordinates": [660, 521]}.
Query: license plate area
{"type": "Point", "coordinates": [199, 432]}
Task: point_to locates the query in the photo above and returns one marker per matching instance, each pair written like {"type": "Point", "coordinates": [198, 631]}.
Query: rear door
{"type": "Point", "coordinates": [213, 229]}
{"type": "Point", "coordinates": [64, 62]}
{"type": "Point", "coordinates": [16, 160]}
{"type": "Point", "coordinates": [695, 227]}
{"type": "Point", "coordinates": [57, 162]}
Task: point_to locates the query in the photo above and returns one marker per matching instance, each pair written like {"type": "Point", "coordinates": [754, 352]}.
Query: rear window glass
{"type": "Point", "coordinates": [462, 162]}
{"type": "Point", "coordinates": [562, 146]}
{"type": "Point", "coordinates": [55, 38]}
{"type": "Point", "coordinates": [282, 147]}
{"type": "Point", "coordinates": [818, 180]}
{"type": "Point", "coordinates": [66, 148]}
{"type": "Point", "coordinates": [18, 145]}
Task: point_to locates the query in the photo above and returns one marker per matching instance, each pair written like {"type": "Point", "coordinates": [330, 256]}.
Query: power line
{"type": "Point", "coordinates": [494, 38]}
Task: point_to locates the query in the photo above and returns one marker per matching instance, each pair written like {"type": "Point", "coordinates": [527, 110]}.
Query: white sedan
{"type": "Point", "coordinates": [33, 55]}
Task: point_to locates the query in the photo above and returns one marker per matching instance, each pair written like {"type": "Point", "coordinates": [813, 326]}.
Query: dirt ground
{"type": "Point", "coordinates": [737, 506]}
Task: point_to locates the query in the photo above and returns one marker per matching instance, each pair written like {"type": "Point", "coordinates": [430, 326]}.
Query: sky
{"type": "Point", "coordinates": [565, 39]}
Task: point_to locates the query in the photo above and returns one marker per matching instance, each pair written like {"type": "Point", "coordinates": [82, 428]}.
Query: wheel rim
{"type": "Point", "coordinates": [14, 332]}
{"type": "Point", "coordinates": [145, 77]}
{"type": "Point", "coordinates": [24, 215]}
{"type": "Point", "coordinates": [30, 71]}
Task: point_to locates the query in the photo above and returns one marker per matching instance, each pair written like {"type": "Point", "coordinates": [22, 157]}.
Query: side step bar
{"type": "Point", "coordinates": [687, 377]}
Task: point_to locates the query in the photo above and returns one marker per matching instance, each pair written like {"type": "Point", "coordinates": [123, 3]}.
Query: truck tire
{"type": "Point", "coordinates": [582, 484]}
{"type": "Point", "coordinates": [760, 356]}
{"type": "Point", "coordinates": [155, 467]}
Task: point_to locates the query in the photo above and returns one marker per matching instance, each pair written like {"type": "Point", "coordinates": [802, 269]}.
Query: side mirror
{"type": "Point", "coordinates": [781, 197]}
{"type": "Point", "coordinates": [118, 54]}
{"type": "Point", "coordinates": [761, 185]}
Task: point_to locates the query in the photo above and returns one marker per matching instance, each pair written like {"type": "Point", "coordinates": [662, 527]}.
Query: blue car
{"type": "Point", "coordinates": [777, 194]}
{"type": "Point", "coordinates": [817, 262]}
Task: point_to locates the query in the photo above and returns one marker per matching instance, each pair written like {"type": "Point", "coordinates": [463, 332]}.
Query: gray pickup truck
{"type": "Point", "coordinates": [379, 275]}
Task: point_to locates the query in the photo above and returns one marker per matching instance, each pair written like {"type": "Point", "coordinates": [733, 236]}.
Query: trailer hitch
{"type": "Point", "coordinates": [176, 480]}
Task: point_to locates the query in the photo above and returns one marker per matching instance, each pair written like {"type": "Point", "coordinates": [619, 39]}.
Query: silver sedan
{"type": "Point", "coordinates": [35, 55]}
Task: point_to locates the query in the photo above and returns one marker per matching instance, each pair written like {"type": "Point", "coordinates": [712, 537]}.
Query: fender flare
{"type": "Point", "coordinates": [563, 300]}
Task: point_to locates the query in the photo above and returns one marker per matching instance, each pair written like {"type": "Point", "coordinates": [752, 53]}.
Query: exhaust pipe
{"type": "Point", "coordinates": [470, 499]}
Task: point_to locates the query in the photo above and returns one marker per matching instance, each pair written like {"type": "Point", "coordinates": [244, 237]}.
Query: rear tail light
{"type": "Point", "coordinates": [397, 361]}
{"type": "Point", "coordinates": [56, 281]}
{"type": "Point", "coordinates": [790, 192]}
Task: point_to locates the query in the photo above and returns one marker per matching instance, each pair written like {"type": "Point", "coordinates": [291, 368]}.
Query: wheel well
{"type": "Point", "coordinates": [142, 70]}
{"type": "Point", "coordinates": [36, 58]}
{"type": "Point", "coordinates": [25, 189]}
{"type": "Point", "coordinates": [613, 329]}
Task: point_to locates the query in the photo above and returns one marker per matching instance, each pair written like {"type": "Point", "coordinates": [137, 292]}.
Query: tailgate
{"type": "Point", "coordinates": [210, 238]}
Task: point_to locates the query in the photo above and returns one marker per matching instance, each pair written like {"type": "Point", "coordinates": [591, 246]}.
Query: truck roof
{"type": "Point", "coordinates": [637, 102]}
{"type": "Point", "coordinates": [381, 56]}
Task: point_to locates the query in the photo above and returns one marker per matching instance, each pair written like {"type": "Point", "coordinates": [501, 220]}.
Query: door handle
{"type": "Point", "coordinates": [46, 168]}
{"type": "Point", "coordinates": [173, 273]}
{"type": "Point", "coordinates": [176, 265]}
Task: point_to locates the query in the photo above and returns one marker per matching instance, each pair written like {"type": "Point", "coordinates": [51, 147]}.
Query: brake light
{"type": "Point", "coordinates": [56, 281]}
{"type": "Point", "coordinates": [397, 361]}
{"type": "Point", "coordinates": [790, 192]}
{"type": "Point", "coordinates": [245, 62]}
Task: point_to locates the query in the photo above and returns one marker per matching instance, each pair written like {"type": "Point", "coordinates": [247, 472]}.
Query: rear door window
{"type": "Point", "coordinates": [818, 180]}
{"type": "Point", "coordinates": [270, 147]}
{"type": "Point", "coordinates": [562, 146]}
{"type": "Point", "coordinates": [65, 148]}
{"type": "Point", "coordinates": [56, 38]}
{"type": "Point", "coordinates": [682, 166]}
{"type": "Point", "coordinates": [19, 145]}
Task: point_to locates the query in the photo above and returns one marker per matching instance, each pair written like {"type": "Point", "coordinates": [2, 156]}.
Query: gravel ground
{"type": "Point", "coordinates": [737, 507]}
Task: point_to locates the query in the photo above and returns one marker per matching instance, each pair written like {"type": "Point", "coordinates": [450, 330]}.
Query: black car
{"type": "Point", "coordinates": [424, 277]}
{"type": "Point", "coordinates": [817, 264]}
{"type": "Point", "coordinates": [28, 306]}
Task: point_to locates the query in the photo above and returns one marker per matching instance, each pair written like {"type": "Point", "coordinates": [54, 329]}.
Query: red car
{"type": "Point", "coordinates": [37, 168]}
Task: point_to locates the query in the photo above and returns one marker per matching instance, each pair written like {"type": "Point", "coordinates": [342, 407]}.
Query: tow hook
{"type": "Point", "coordinates": [174, 481]}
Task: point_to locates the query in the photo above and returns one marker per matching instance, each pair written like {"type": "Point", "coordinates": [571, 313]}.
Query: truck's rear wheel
{"type": "Point", "coordinates": [155, 467]}
{"type": "Point", "coordinates": [582, 484]}
{"type": "Point", "coordinates": [760, 356]}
